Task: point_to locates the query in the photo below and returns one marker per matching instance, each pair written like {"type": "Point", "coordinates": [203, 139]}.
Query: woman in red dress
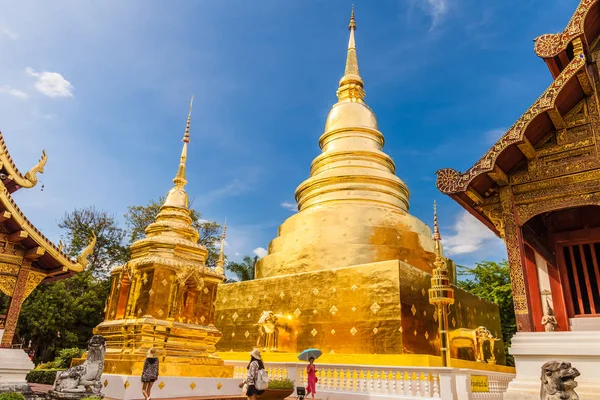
{"type": "Point", "coordinates": [311, 371]}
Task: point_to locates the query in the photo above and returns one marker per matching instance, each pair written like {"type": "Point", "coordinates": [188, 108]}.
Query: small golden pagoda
{"type": "Point", "coordinates": [350, 272]}
{"type": "Point", "coordinates": [164, 296]}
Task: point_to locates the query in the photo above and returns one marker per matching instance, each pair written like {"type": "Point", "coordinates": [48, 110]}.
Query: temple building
{"type": "Point", "coordinates": [538, 188]}
{"type": "Point", "coordinates": [163, 297]}
{"type": "Point", "coordinates": [350, 272]}
{"type": "Point", "coordinates": [27, 258]}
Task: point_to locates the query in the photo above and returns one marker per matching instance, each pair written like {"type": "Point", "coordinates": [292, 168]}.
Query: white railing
{"type": "Point", "coordinates": [339, 381]}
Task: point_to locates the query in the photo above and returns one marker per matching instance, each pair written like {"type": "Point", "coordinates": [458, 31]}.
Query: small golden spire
{"type": "Point", "coordinates": [221, 261]}
{"type": "Point", "coordinates": [351, 84]}
{"type": "Point", "coordinates": [439, 261]}
{"type": "Point", "coordinates": [180, 179]}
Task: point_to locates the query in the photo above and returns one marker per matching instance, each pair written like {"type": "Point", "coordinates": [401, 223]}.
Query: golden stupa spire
{"type": "Point", "coordinates": [177, 197]}
{"type": "Point", "coordinates": [439, 259]}
{"type": "Point", "coordinates": [351, 84]}
{"type": "Point", "coordinates": [221, 261]}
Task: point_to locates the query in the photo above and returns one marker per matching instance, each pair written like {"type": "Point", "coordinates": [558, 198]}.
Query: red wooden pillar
{"type": "Point", "coordinates": [535, 297]}
{"type": "Point", "coordinates": [14, 308]}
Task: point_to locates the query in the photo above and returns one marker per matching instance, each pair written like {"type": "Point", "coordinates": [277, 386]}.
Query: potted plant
{"type": "Point", "coordinates": [278, 389]}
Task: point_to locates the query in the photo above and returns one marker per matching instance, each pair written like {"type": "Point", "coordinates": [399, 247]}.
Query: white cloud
{"type": "Point", "coordinates": [436, 9]}
{"type": "Point", "coordinates": [51, 84]}
{"type": "Point", "coordinates": [289, 206]}
{"type": "Point", "coordinates": [8, 33]}
{"type": "Point", "coordinates": [470, 236]}
{"type": "Point", "coordinates": [14, 92]}
{"type": "Point", "coordinates": [490, 137]}
{"type": "Point", "coordinates": [260, 252]}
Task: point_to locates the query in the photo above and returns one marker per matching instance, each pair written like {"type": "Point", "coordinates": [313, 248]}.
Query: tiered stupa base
{"type": "Point", "coordinates": [378, 309]}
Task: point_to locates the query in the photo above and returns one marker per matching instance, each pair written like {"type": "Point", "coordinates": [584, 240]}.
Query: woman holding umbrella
{"type": "Point", "coordinates": [311, 370]}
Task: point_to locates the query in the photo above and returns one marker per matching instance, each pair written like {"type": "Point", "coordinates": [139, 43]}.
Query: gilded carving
{"type": "Point", "coordinates": [7, 284]}
{"type": "Point", "coordinates": [450, 181]}
{"type": "Point", "coordinates": [514, 252]}
{"type": "Point", "coordinates": [550, 45]}
{"type": "Point", "coordinates": [14, 307]}
{"type": "Point", "coordinates": [33, 280]}
{"type": "Point", "coordinates": [6, 268]}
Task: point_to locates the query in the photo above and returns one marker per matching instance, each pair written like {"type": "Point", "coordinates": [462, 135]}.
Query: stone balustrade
{"type": "Point", "coordinates": [338, 381]}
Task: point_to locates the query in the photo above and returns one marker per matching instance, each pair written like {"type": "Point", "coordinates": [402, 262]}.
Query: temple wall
{"type": "Point", "coordinates": [378, 308]}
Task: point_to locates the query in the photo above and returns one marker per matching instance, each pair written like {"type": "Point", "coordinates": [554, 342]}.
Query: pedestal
{"type": "Point", "coordinates": [532, 349]}
{"type": "Point", "coordinates": [128, 387]}
{"type": "Point", "coordinates": [14, 367]}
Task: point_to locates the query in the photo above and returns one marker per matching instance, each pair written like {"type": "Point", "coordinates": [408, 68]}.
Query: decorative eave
{"type": "Point", "coordinates": [14, 179]}
{"type": "Point", "coordinates": [44, 255]}
{"type": "Point", "coordinates": [491, 171]}
{"type": "Point", "coordinates": [555, 48]}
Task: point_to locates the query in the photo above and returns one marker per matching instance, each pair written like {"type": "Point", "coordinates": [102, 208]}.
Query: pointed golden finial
{"type": "Point", "coordinates": [439, 261]}
{"type": "Point", "coordinates": [352, 23]}
{"type": "Point", "coordinates": [221, 261]}
{"type": "Point", "coordinates": [180, 179]}
{"type": "Point", "coordinates": [351, 84]}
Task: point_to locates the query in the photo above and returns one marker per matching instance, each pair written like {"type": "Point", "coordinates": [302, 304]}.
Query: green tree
{"type": "Point", "coordinates": [62, 314]}
{"type": "Point", "coordinates": [138, 218]}
{"type": "Point", "coordinates": [244, 271]}
{"type": "Point", "coordinates": [78, 227]}
{"type": "Point", "coordinates": [491, 281]}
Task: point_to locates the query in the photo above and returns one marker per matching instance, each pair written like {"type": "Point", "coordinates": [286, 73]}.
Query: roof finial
{"type": "Point", "coordinates": [351, 84]}
{"type": "Point", "coordinates": [180, 179]}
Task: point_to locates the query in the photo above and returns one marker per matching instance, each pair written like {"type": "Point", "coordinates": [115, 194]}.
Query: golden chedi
{"type": "Point", "coordinates": [350, 272]}
{"type": "Point", "coordinates": [164, 296]}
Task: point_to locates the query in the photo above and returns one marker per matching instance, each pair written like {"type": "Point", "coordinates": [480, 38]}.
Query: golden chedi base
{"type": "Point", "coordinates": [364, 310]}
{"type": "Point", "coordinates": [184, 349]}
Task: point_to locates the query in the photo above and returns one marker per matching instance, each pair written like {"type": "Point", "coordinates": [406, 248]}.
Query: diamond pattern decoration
{"type": "Point", "coordinates": [424, 313]}
{"type": "Point", "coordinates": [205, 290]}
{"type": "Point", "coordinates": [297, 312]}
{"type": "Point", "coordinates": [246, 334]}
{"type": "Point", "coordinates": [145, 278]}
{"type": "Point", "coordinates": [161, 385]}
{"type": "Point", "coordinates": [375, 330]}
{"type": "Point", "coordinates": [224, 300]}
{"type": "Point", "coordinates": [126, 384]}
{"type": "Point", "coordinates": [426, 335]}
{"type": "Point", "coordinates": [105, 383]}
{"type": "Point", "coordinates": [453, 322]}
{"type": "Point", "coordinates": [314, 332]}
{"type": "Point", "coordinates": [192, 386]}
{"type": "Point", "coordinates": [222, 316]}
{"type": "Point", "coordinates": [202, 319]}
{"type": "Point", "coordinates": [281, 295]}
{"type": "Point", "coordinates": [250, 297]}
{"type": "Point", "coordinates": [248, 315]}
{"type": "Point", "coordinates": [353, 309]}
{"type": "Point", "coordinates": [415, 332]}
{"type": "Point", "coordinates": [315, 312]}
{"type": "Point", "coordinates": [435, 316]}
{"type": "Point", "coordinates": [164, 283]}
{"type": "Point", "coordinates": [139, 311]}
{"type": "Point", "coordinates": [333, 331]}
{"type": "Point", "coordinates": [334, 290]}
{"type": "Point", "coordinates": [375, 307]}
{"type": "Point", "coordinates": [150, 292]}
{"type": "Point", "coordinates": [459, 305]}
{"type": "Point", "coordinates": [401, 330]}
{"type": "Point", "coordinates": [219, 386]}
{"type": "Point", "coordinates": [160, 312]}
{"type": "Point", "coordinates": [333, 310]}
{"type": "Point", "coordinates": [232, 334]}
{"type": "Point", "coordinates": [353, 331]}
{"type": "Point", "coordinates": [423, 292]}
{"type": "Point", "coordinates": [332, 351]}
{"type": "Point", "coordinates": [413, 309]}
{"type": "Point", "coordinates": [315, 291]}
{"type": "Point", "coordinates": [235, 316]}
{"type": "Point", "coordinates": [354, 287]}
{"type": "Point", "coordinates": [298, 294]}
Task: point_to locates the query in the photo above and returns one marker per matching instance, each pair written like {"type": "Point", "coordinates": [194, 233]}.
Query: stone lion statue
{"type": "Point", "coordinates": [84, 378]}
{"type": "Point", "coordinates": [558, 381]}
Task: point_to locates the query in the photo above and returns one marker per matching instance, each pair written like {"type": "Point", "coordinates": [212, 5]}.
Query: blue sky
{"type": "Point", "coordinates": [104, 88]}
